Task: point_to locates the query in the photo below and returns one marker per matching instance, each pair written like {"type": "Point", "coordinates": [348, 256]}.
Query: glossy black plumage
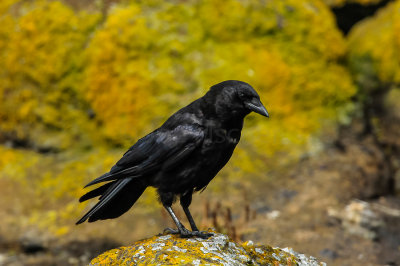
{"type": "Point", "coordinates": [180, 157]}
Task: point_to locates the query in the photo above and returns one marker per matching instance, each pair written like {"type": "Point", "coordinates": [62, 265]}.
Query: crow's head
{"type": "Point", "coordinates": [236, 98]}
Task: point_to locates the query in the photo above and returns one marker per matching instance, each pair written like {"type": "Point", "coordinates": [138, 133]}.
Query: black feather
{"type": "Point", "coordinates": [96, 192]}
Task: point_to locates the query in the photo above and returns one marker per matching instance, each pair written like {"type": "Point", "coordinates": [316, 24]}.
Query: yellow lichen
{"type": "Point", "coordinates": [174, 250]}
{"type": "Point", "coordinates": [40, 46]}
{"type": "Point", "coordinates": [374, 46]}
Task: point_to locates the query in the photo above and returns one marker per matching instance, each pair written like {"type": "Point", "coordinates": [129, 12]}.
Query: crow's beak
{"type": "Point", "coordinates": [255, 105]}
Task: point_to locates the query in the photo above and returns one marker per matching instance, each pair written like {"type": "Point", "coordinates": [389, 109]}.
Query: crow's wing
{"type": "Point", "coordinates": [161, 149]}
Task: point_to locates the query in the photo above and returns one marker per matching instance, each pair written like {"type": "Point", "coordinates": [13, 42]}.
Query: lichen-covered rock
{"type": "Point", "coordinates": [217, 250]}
{"type": "Point", "coordinates": [373, 49]}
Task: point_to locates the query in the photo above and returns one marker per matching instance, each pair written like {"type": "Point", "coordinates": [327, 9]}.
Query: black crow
{"type": "Point", "coordinates": [180, 157]}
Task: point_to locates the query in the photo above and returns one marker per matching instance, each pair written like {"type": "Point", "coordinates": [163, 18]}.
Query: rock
{"type": "Point", "coordinates": [32, 242]}
{"type": "Point", "coordinates": [328, 253]}
{"type": "Point", "coordinates": [359, 218]}
{"type": "Point", "coordinates": [217, 250]}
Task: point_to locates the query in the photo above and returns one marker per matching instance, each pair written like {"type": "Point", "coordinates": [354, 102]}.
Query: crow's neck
{"type": "Point", "coordinates": [222, 118]}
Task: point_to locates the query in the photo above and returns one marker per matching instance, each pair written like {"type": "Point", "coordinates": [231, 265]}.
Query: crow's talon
{"type": "Point", "coordinates": [186, 233]}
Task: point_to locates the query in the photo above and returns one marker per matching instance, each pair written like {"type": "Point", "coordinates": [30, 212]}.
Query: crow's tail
{"type": "Point", "coordinates": [116, 198]}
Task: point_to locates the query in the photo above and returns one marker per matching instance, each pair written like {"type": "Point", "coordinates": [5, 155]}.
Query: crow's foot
{"type": "Point", "coordinates": [183, 231]}
{"type": "Point", "coordinates": [186, 233]}
{"type": "Point", "coordinates": [201, 234]}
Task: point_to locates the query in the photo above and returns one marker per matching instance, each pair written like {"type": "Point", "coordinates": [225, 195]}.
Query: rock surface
{"type": "Point", "coordinates": [217, 250]}
{"type": "Point", "coordinates": [359, 218]}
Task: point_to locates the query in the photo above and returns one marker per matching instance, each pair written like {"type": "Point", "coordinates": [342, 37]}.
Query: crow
{"type": "Point", "coordinates": [179, 158]}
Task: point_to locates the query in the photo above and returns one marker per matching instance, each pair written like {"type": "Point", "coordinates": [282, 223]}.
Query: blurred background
{"type": "Point", "coordinates": [81, 81]}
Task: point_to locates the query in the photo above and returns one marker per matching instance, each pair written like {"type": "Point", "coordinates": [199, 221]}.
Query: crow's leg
{"type": "Point", "coordinates": [167, 198]}
{"type": "Point", "coordinates": [181, 229]}
{"type": "Point", "coordinates": [185, 200]}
